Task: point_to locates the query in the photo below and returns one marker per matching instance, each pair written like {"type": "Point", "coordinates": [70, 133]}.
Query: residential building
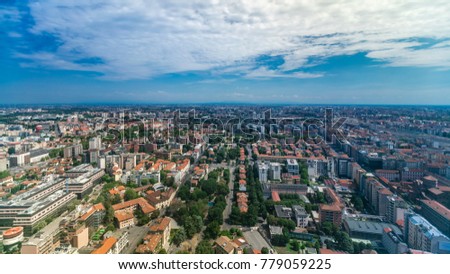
{"type": "Point", "coordinates": [331, 212]}
{"type": "Point", "coordinates": [263, 169]}
{"type": "Point", "coordinates": [300, 215]}
{"type": "Point", "coordinates": [437, 214]}
{"type": "Point", "coordinates": [422, 235]}
{"type": "Point", "coordinates": [292, 166]}
{"type": "Point", "coordinates": [94, 216]}
{"type": "Point", "coordinates": [392, 242]}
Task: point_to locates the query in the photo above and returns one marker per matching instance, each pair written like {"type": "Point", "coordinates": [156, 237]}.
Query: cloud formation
{"type": "Point", "coordinates": [140, 39]}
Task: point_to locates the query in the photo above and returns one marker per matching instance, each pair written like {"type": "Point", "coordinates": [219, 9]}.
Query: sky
{"type": "Point", "coordinates": [237, 51]}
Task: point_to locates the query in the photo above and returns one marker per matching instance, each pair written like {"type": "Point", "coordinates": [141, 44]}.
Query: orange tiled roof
{"type": "Point", "coordinates": [145, 206]}
{"type": "Point", "coordinates": [106, 246]}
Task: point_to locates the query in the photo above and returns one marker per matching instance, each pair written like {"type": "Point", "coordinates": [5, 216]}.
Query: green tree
{"type": "Point", "coordinates": [178, 236]}
{"type": "Point", "coordinates": [143, 218]}
{"type": "Point", "coordinates": [130, 194]}
{"type": "Point", "coordinates": [212, 230]}
{"type": "Point", "coordinates": [193, 225]}
{"type": "Point", "coordinates": [204, 247]}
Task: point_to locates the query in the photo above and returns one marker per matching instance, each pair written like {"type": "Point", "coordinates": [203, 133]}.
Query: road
{"type": "Point", "coordinates": [229, 199]}
{"type": "Point", "coordinates": [135, 236]}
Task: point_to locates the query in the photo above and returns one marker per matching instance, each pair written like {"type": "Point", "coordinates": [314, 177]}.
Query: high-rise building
{"type": "Point", "coordinates": [95, 143]}
{"type": "Point", "coordinates": [437, 214]}
{"type": "Point", "coordinates": [263, 170]}
{"type": "Point", "coordinates": [422, 235]}
{"type": "Point", "coordinates": [393, 242]}
{"type": "Point", "coordinates": [292, 166]}
{"type": "Point", "coordinates": [275, 171]}
{"type": "Point", "coordinates": [395, 209]}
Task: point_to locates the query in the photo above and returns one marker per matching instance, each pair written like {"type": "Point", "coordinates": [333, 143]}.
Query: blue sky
{"type": "Point", "coordinates": [313, 52]}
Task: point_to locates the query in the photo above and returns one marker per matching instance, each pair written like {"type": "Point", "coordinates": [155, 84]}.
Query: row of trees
{"type": "Point", "coordinates": [256, 205]}
{"type": "Point", "coordinates": [342, 240]}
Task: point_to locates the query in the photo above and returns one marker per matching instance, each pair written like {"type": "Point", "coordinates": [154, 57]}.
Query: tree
{"type": "Point", "coordinates": [179, 236]}
{"type": "Point", "coordinates": [204, 247]}
{"type": "Point", "coordinates": [155, 214]}
{"type": "Point", "coordinates": [295, 245]}
{"type": "Point", "coordinates": [215, 214]}
{"type": "Point", "coordinates": [343, 242]}
{"type": "Point", "coordinates": [143, 218]}
{"type": "Point", "coordinates": [4, 174]}
{"type": "Point", "coordinates": [264, 250]}
{"type": "Point", "coordinates": [169, 182]}
{"type": "Point", "coordinates": [280, 240]}
{"type": "Point", "coordinates": [145, 181]}
{"type": "Point", "coordinates": [109, 215]}
{"type": "Point", "coordinates": [358, 203]}
{"type": "Point", "coordinates": [11, 150]}
{"type": "Point", "coordinates": [130, 194]}
{"type": "Point", "coordinates": [184, 193]}
{"type": "Point", "coordinates": [116, 199]}
{"type": "Point", "coordinates": [209, 186]}
{"type": "Point", "coordinates": [193, 225]}
{"type": "Point", "coordinates": [212, 230]}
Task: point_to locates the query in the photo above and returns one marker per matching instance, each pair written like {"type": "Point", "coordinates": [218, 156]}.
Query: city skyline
{"type": "Point", "coordinates": [288, 52]}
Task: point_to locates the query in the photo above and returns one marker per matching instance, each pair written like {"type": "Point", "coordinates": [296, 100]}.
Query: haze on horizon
{"type": "Point", "coordinates": [296, 52]}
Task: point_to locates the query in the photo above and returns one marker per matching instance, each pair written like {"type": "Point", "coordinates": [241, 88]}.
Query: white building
{"type": "Point", "coordinates": [301, 216]}
{"type": "Point", "coordinates": [263, 170]}
{"type": "Point", "coordinates": [292, 166]}
{"type": "Point", "coordinates": [275, 171]}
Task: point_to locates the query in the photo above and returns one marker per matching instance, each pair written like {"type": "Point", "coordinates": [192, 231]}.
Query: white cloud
{"type": "Point", "coordinates": [142, 39]}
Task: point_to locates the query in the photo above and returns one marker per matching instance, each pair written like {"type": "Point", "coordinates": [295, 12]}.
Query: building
{"type": "Point", "coordinates": [421, 235]}
{"type": "Point", "coordinates": [152, 244]}
{"type": "Point", "coordinates": [430, 181]}
{"type": "Point", "coordinates": [20, 159]}
{"type": "Point", "coordinates": [274, 171]}
{"type": "Point", "coordinates": [224, 245]}
{"type": "Point", "coordinates": [3, 164]}
{"type": "Point", "coordinates": [80, 237]}
{"type": "Point", "coordinates": [300, 215]}
{"type": "Point", "coordinates": [263, 170]}
{"type": "Point", "coordinates": [124, 212]}
{"type": "Point", "coordinates": [73, 151]}
{"type": "Point", "coordinates": [38, 155]}
{"type": "Point", "coordinates": [108, 247]}
{"type": "Point", "coordinates": [392, 242]}
{"type": "Point", "coordinates": [163, 227]}
{"type": "Point", "coordinates": [395, 209]}
{"type": "Point", "coordinates": [437, 214]}
{"type": "Point", "coordinates": [391, 175]}
{"type": "Point", "coordinates": [83, 184]}
{"type": "Point", "coordinates": [161, 199]}
{"type": "Point", "coordinates": [124, 219]}
{"type": "Point", "coordinates": [331, 212]}
{"type": "Point", "coordinates": [283, 212]}
{"type": "Point", "coordinates": [367, 229]}
{"type": "Point", "coordinates": [95, 143]}
{"type": "Point", "coordinates": [28, 213]}
{"type": "Point", "coordinates": [411, 174]}
{"type": "Point", "coordinates": [292, 166]}
{"type": "Point", "coordinates": [45, 241]}
{"type": "Point", "coordinates": [94, 216]}
{"type": "Point", "coordinates": [12, 238]}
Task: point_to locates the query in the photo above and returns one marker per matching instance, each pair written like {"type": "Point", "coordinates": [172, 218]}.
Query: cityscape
{"type": "Point", "coordinates": [225, 180]}
{"type": "Point", "coordinates": [224, 127]}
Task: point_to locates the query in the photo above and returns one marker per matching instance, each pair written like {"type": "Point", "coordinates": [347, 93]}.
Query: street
{"type": "Point", "coordinates": [135, 236]}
